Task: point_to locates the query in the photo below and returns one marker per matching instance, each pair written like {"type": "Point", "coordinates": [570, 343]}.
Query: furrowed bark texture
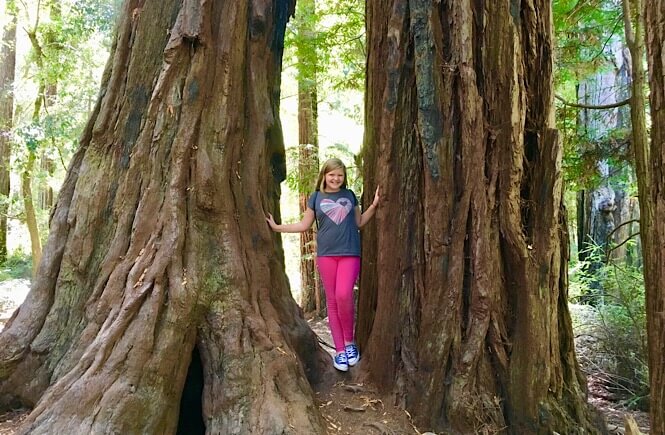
{"type": "Point", "coordinates": [471, 329]}
{"type": "Point", "coordinates": [312, 298]}
{"type": "Point", "coordinates": [158, 244]}
{"type": "Point", "coordinates": [654, 259]}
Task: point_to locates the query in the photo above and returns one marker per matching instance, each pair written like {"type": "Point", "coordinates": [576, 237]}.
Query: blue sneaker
{"type": "Point", "coordinates": [352, 354]}
{"type": "Point", "coordinates": [340, 362]}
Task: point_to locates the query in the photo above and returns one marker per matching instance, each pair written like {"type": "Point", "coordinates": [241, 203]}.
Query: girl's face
{"type": "Point", "coordinates": [334, 180]}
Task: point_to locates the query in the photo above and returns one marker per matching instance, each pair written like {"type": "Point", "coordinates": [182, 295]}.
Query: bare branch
{"type": "Point", "coordinates": [619, 226]}
{"type": "Point", "coordinates": [609, 251]}
{"type": "Point", "coordinates": [593, 106]}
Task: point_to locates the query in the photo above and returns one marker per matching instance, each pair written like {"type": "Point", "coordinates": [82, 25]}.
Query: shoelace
{"type": "Point", "coordinates": [341, 358]}
{"type": "Point", "coordinates": [352, 350]}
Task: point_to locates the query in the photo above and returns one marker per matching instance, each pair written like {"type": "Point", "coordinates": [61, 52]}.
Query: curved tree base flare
{"type": "Point", "coordinates": [158, 243]}
{"type": "Point", "coordinates": [471, 241]}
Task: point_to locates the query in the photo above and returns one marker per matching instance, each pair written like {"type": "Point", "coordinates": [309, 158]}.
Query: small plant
{"type": "Point", "coordinates": [614, 328]}
{"type": "Point", "coordinates": [623, 334]}
{"type": "Point", "coordinates": [18, 265]}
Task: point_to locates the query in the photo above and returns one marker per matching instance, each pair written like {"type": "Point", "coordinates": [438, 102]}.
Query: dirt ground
{"type": "Point", "coordinates": [350, 407]}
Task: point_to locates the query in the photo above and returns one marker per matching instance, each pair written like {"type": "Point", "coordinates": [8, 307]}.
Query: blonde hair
{"type": "Point", "coordinates": [329, 165]}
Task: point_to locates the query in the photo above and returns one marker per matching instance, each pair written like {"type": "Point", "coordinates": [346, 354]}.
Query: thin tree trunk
{"type": "Point", "coordinates": [312, 299]}
{"type": "Point", "coordinates": [308, 150]}
{"type": "Point", "coordinates": [27, 174]}
{"type": "Point", "coordinates": [654, 257]}
{"type": "Point", "coordinates": [463, 315]}
{"type": "Point", "coordinates": [604, 207]}
{"type": "Point", "coordinates": [30, 214]}
{"type": "Point", "coordinates": [7, 71]}
{"type": "Point", "coordinates": [159, 261]}
{"type": "Point", "coordinates": [26, 192]}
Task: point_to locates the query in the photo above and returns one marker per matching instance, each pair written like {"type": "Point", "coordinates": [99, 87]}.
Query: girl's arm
{"type": "Point", "coordinates": [299, 227]}
{"type": "Point", "coordinates": [362, 219]}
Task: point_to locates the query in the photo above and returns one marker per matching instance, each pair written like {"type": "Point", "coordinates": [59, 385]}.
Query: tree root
{"type": "Point", "coordinates": [382, 428]}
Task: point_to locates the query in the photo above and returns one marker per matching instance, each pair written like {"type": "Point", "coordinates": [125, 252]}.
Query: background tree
{"type": "Point", "coordinates": [593, 71]}
{"type": "Point", "coordinates": [55, 91]}
{"type": "Point", "coordinates": [593, 76]}
{"type": "Point", "coordinates": [472, 331]}
{"type": "Point", "coordinates": [325, 47]}
{"type": "Point", "coordinates": [306, 45]}
{"type": "Point", "coordinates": [158, 259]}
{"type": "Point", "coordinates": [653, 223]}
{"type": "Point", "coordinates": [7, 73]}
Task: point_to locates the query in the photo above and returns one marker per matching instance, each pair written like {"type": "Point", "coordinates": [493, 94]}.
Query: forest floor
{"type": "Point", "coordinates": [352, 407]}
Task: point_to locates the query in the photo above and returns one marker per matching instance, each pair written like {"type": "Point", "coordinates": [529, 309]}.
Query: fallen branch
{"type": "Point", "coordinates": [354, 408]}
{"type": "Point", "coordinates": [593, 106]}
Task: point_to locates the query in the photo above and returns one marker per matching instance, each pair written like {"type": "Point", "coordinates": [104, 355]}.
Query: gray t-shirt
{"type": "Point", "coordinates": [338, 231]}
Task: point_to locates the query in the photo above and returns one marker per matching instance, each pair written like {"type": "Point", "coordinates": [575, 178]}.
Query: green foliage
{"type": "Point", "coordinates": [615, 326]}
{"type": "Point", "coordinates": [68, 48]}
{"type": "Point", "coordinates": [325, 43]}
{"type": "Point", "coordinates": [95, 15]}
{"type": "Point", "coordinates": [623, 334]}
{"type": "Point", "coordinates": [18, 265]}
{"type": "Point", "coordinates": [56, 89]}
{"type": "Point", "coordinates": [586, 35]}
{"type": "Point", "coordinates": [583, 30]}
{"type": "Point", "coordinates": [327, 40]}
{"type": "Point", "coordinates": [30, 136]}
{"type": "Point", "coordinates": [346, 39]}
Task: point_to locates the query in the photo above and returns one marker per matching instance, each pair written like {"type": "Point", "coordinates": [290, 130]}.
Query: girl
{"type": "Point", "coordinates": [338, 251]}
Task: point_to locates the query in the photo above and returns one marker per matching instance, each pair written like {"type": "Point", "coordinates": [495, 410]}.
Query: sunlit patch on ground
{"type": "Point", "coordinates": [12, 294]}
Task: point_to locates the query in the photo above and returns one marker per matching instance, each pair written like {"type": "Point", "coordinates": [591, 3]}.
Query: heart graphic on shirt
{"type": "Point", "coordinates": [336, 210]}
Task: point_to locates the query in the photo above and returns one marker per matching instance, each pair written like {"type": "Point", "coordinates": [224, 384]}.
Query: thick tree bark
{"type": "Point", "coordinates": [308, 152]}
{"type": "Point", "coordinates": [7, 71]}
{"type": "Point", "coordinates": [158, 252]}
{"type": "Point", "coordinates": [471, 329]}
{"type": "Point", "coordinates": [654, 258]}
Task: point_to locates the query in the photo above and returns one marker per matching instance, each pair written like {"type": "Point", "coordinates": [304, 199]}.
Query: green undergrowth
{"type": "Point", "coordinates": [608, 307]}
{"type": "Point", "coordinates": [17, 266]}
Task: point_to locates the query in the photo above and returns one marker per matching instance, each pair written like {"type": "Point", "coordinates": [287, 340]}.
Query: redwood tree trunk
{"type": "Point", "coordinates": [654, 258]}
{"type": "Point", "coordinates": [308, 150]}
{"type": "Point", "coordinates": [159, 253]}
{"type": "Point", "coordinates": [471, 329]}
{"type": "Point", "coordinates": [7, 67]}
{"type": "Point", "coordinates": [312, 299]}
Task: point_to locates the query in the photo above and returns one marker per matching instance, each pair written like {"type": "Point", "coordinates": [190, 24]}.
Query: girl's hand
{"type": "Point", "coordinates": [271, 222]}
{"type": "Point", "coordinates": [377, 198]}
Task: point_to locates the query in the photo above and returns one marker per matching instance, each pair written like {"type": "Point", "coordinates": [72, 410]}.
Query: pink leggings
{"type": "Point", "coordinates": [339, 274]}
